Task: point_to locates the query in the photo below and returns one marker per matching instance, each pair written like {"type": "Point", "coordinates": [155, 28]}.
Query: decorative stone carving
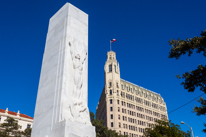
{"type": "Point", "coordinates": [77, 106]}
{"type": "Point", "coordinates": [62, 101]}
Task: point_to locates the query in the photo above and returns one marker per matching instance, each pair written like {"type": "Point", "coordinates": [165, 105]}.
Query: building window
{"type": "Point", "coordinates": [110, 68]}
{"type": "Point", "coordinates": [115, 69]}
{"type": "Point", "coordinates": [117, 101]}
{"type": "Point", "coordinates": [110, 84]}
{"type": "Point", "coordinates": [122, 86]}
{"type": "Point", "coordinates": [111, 124]}
{"type": "Point", "coordinates": [119, 124]}
{"type": "Point", "coordinates": [118, 109]}
{"type": "Point", "coordinates": [111, 109]}
{"type": "Point", "coordinates": [110, 92]}
{"type": "Point", "coordinates": [118, 116]}
{"type": "Point", "coordinates": [117, 92]}
{"type": "Point", "coordinates": [110, 101]}
{"type": "Point", "coordinates": [117, 85]}
{"type": "Point", "coordinates": [28, 126]}
{"type": "Point", "coordinates": [111, 116]}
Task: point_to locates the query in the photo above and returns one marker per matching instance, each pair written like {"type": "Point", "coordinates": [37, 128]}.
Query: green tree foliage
{"type": "Point", "coordinates": [10, 127]}
{"type": "Point", "coordinates": [3, 134]}
{"type": "Point", "coordinates": [102, 131]}
{"type": "Point", "coordinates": [195, 78]}
{"type": "Point", "coordinates": [27, 132]}
{"type": "Point", "coordinates": [163, 128]}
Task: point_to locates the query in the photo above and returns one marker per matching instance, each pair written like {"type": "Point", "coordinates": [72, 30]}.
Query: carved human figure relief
{"type": "Point", "coordinates": [77, 107]}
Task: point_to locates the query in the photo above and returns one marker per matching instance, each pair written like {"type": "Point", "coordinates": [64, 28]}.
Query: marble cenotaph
{"type": "Point", "coordinates": [62, 101]}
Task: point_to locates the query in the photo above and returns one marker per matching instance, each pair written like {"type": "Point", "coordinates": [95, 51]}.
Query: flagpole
{"type": "Point", "coordinates": [110, 46]}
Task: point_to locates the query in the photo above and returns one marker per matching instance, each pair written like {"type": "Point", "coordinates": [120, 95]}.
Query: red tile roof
{"type": "Point", "coordinates": [25, 116]}
{"type": "Point", "coordinates": [15, 114]}
{"type": "Point", "coordinates": [1, 110]}
{"type": "Point", "coordinates": [12, 113]}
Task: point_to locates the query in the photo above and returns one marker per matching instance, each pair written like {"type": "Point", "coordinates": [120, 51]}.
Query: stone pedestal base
{"type": "Point", "coordinates": [68, 129]}
{"type": "Point", "coordinates": [73, 129]}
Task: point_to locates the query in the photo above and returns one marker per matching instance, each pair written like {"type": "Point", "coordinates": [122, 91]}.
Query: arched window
{"type": "Point", "coordinates": [110, 68]}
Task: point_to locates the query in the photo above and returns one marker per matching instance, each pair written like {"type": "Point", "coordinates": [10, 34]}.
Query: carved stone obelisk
{"type": "Point", "coordinates": [62, 101]}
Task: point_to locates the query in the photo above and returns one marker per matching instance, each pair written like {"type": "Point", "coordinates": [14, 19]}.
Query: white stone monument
{"type": "Point", "coordinates": [62, 101]}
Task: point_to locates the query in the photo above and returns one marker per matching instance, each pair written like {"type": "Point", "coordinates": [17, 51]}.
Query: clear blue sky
{"type": "Point", "coordinates": [142, 29]}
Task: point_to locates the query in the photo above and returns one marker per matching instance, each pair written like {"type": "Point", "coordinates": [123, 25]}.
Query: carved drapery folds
{"type": "Point", "coordinates": [78, 108]}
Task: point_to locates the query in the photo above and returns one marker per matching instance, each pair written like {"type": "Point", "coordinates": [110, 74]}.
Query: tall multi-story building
{"type": "Point", "coordinates": [127, 107]}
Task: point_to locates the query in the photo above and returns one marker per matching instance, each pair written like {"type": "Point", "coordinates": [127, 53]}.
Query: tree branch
{"type": "Point", "coordinates": [181, 47]}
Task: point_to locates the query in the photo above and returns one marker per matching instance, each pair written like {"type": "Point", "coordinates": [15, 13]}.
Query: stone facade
{"type": "Point", "coordinates": [24, 121]}
{"type": "Point", "coordinates": [127, 107]}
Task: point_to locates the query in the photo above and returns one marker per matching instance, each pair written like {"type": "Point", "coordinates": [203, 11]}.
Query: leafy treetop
{"type": "Point", "coordinates": [163, 128]}
{"type": "Point", "coordinates": [195, 78]}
